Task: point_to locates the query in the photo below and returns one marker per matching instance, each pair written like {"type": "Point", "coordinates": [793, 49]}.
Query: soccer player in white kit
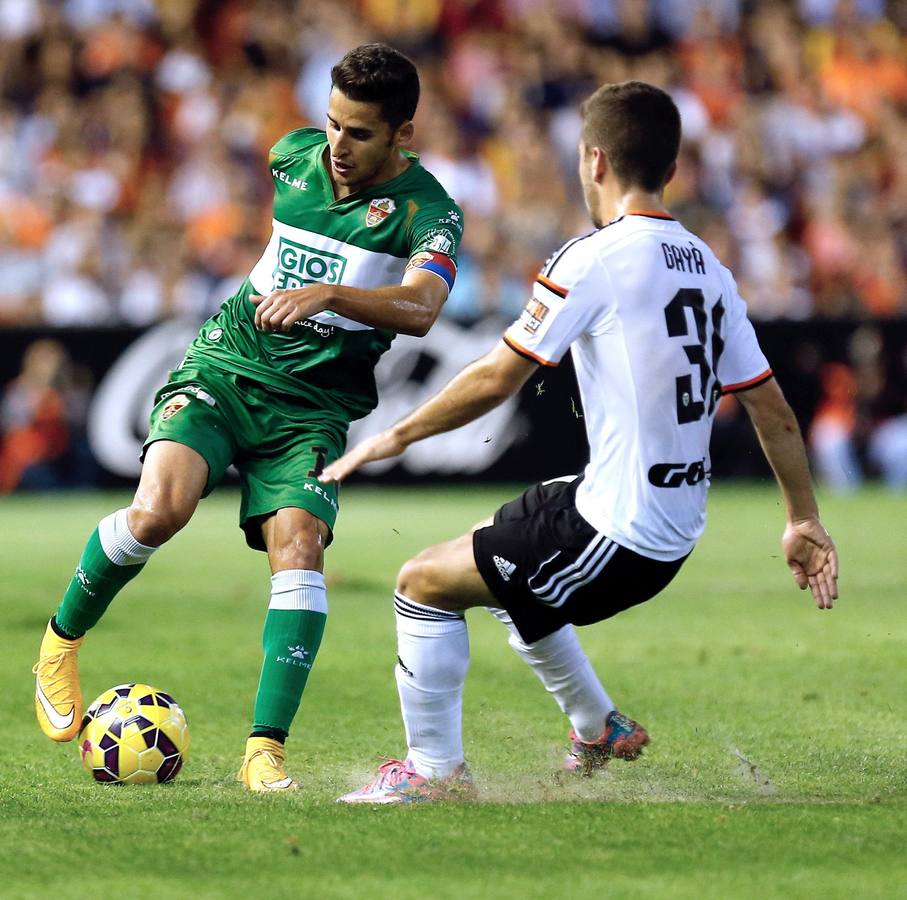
{"type": "Point", "coordinates": [658, 332]}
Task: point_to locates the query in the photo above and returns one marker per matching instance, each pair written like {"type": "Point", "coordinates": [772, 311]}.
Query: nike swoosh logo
{"type": "Point", "coordinates": [283, 783]}
{"type": "Point", "coordinates": [61, 723]}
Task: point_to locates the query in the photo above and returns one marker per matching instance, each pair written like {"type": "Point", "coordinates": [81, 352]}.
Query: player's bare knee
{"type": "Point", "coordinates": [407, 577]}
{"type": "Point", "coordinates": [418, 580]}
{"type": "Point", "coordinates": [302, 549]}
{"type": "Point", "coordinates": [297, 555]}
{"type": "Point", "coordinates": [154, 525]}
{"type": "Point", "coordinates": [161, 507]}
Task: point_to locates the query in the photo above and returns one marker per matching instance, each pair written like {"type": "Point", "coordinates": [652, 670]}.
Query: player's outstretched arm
{"type": "Point", "coordinates": [480, 387]}
{"type": "Point", "coordinates": [808, 548]}
{"type": "Point", "coordinates": [407, 308]}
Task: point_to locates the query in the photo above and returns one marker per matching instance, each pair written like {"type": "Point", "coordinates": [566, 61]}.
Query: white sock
{"type": "Point", "coordinates": [118, 543]}
{"type": "Point", "coordinates": [432, 656]}
{"type": "Point", "coordinates": [564, 669]}
{"type": "Point", "coordinates": [300, 589]}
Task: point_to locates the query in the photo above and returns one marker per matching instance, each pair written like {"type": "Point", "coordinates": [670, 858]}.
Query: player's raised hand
{"type": "Point", "coordinates": [380, 446]}
{"type": "Point", "coordinates": [281, 310]}
{"type": "Point", "coordinates": [812, 559]}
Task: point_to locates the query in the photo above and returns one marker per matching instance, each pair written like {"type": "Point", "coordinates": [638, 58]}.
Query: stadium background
{"type": "Point", "coordinates": [135, 195]}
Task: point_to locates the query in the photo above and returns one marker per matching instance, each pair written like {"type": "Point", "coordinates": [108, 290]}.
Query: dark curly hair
{"type": "Point", "coordinates": [376, 73]}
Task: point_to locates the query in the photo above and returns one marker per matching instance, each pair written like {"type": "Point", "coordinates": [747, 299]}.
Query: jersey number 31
{"type": "Point", "coordinates": [691, 408]}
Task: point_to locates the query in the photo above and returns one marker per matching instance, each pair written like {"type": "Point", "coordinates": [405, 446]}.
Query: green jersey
{"type": "Point", "coordinates": [365, 240]}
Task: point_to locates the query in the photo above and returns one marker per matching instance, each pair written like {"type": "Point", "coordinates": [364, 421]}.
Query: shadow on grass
{"type": "Point", "coordinates": [352, 584]}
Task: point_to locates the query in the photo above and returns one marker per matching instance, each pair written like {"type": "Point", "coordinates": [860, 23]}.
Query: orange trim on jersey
{"type": "Point", "coordinates": [746, 385]}
{"type": "Point", "coordinates": [654, 214]}
{"type": "Point", "coordinates": [554, 288]}
{"type": "Point", "coordinates": [522, 351]}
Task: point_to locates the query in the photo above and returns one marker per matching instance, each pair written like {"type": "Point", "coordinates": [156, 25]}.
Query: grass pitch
{"type": "Point", "coordinates": [777, 768]}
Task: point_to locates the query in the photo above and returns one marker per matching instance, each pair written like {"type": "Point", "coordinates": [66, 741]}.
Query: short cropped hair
{"type": "Point", "coordinates": [638, 127]}
{"type": "Point", "coordinates": [376, 73]}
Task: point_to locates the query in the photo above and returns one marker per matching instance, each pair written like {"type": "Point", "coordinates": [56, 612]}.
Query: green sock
{"type": "Point", "coordinates": [99, 578]}
{"type": "Point", "coordinates": [292, 635]}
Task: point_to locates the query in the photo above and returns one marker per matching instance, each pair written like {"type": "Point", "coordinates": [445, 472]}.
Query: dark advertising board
{"type": "Point", "coordinates": [539, 434]}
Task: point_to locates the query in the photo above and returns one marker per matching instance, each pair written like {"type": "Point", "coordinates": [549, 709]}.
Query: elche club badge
{"type": "Point", "coordinates": [378, 211]}
{"type": "Point", "coordinates": [173, 406]}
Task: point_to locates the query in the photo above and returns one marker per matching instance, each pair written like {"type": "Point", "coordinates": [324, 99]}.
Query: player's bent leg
{"type": "Point", "coordinates": [549, 568]}
{"type": "Point", "coordinates": [173, 479]}
{"type": "Point", "coordinates": [445, 577]}
{"type": "Point", "coordinates": [433, 589]}
{"type": "Point", "coordinates": [295, 539]}
{"type": "Point", "coordinates": [599, 732]}
{"type": "Point", "coordinates": [297, 613]}
{"type": "Point", "coordinates": [432, 661]}
{"type": "Point", "coordinates": [561, 664]}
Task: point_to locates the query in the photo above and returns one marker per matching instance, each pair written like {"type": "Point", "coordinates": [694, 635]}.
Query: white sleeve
{"type": "Point", "coordinates": [742, 364]}
{"type": "Point", "coordinates": [567, 300]}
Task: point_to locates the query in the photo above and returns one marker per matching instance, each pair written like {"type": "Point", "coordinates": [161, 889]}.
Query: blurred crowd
{"type": "Point", "coordinates": [42, 422]}
{"type": "Point", "coordinates": [134, 133]}
{"type": "Point", "coordinates": [134, 184]}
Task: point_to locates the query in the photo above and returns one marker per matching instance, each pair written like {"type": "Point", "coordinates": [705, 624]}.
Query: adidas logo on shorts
{"type": "Point", "coordinates": [505, 567]}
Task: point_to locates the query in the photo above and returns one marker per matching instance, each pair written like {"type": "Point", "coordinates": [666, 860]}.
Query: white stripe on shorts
{"type": "Point", "coordinates": [552, 585]}
{"type": "Point", "coordinates": [564, 596]}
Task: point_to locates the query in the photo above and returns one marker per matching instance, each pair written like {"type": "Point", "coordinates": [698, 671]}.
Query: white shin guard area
{"type": "Point", "coordinates": [564, 669]}
{"type": "Point", "coordinates": [299, 589]}
{"type": "Point", "coordinates": [118, 542]}
{"type": "Point", "coordinates": [433, 654]}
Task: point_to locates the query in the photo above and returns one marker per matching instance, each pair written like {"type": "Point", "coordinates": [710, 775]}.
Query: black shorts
{"type": "Point", "coordinates": [547, 566]}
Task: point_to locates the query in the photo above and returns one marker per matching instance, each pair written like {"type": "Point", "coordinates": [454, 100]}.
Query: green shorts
{"type": "Point", "coordinates": [278, 445]}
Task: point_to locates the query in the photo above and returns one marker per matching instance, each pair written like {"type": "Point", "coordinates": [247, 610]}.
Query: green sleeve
{"type": "Point", "coordinates": [437, 228]}
{"type": "Point", "coordinates": [298, 141]}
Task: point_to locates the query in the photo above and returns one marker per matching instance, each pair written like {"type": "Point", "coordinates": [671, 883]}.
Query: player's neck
{"type": "Point", "coordinates": [619, 202]}
{"type": "Point", "coordinates": [395, 165]}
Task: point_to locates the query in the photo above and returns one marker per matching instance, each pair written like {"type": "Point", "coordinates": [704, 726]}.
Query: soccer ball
{"type": "Point", "coordinates": [134, 734]}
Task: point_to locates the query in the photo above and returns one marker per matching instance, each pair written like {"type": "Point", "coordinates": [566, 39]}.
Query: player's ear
{"type": "Point", "coordinates": [672, 171]}
{"type": "Point", "coordinates": [403, 136]}
{"type": "Point", "coordinates": [600, 164]}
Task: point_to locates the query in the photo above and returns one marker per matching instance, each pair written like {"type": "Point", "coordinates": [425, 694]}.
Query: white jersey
{"type": "Point", "coordinates": [658, 332]}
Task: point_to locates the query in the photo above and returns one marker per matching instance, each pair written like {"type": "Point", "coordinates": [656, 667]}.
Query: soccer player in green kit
{"type": "Point", "coordinates": [363, 246]}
